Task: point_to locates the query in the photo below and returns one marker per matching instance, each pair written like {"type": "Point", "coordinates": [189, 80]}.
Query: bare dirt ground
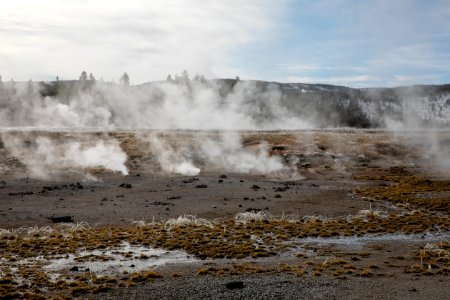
{"type": "Point", "coordinates": [366, 216]}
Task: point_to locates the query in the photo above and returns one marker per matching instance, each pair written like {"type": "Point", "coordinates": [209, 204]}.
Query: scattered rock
{"type": "Point", "coordinates": [74, 269]}
{"type": "Point", "coordinates": [158, 203]}
{"type": "Point", "coordinates": [190, 180]}
{"type": "Point", "coordinates": [21, 193]}
{"type": "Point", "coordinates": [220, 181]}
{"type": "Point", "coordinates": [126, 186]}
{"type": "Point", "coordinates": [49, 188]}
{"type": "Point", "coordinates": [234, 285]}
{"type": "Point", "coordinates": [253, 210]}
{"type": "Point", "coordinates": [277, 196]}
{"type": "Point", "coordinates": [279, 148]}
{"type": "Point", "coordinates": [223, 176]}
{"type": "Point", "coordinates": [62, 219]}
{"type": "Point", "coordinates": [282, 189]}
{"type": "Point", "coordinates": [201, 186]}
{"type": "Point", "coordinates": [76, 186]}
{"type": "Point", "coordinates": [255, 187]}
{"type": "Point", "coordinates": [173, 197]}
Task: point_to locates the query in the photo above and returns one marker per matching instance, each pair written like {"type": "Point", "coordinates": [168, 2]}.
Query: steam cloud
{"type": "Point", "coordinates": [225, 105]}
{"type": "Point", "coordinates": [172, 160]}
{"type": "Point", "coordinates": [45, 158]}
{"type": "Point", "coordinates": [164, 105]}
{"type": "Point", "coordinates": [224, 152]}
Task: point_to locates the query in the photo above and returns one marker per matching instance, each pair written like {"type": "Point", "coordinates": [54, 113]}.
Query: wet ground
{"type": "Point", "coordinates": [361, 204]}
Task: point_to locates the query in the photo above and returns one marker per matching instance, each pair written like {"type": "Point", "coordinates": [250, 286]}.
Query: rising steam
{"type": "Point", "coordinates": [223, 152]}
{"type": "Point", "coordinates": [181, 103]}
{"type": "Point", "coordinates": [45, 158]}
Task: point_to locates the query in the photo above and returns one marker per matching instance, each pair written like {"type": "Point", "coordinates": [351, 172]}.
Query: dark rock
{"type": "Point", "coordinates": [62, 219]}
{"type": "Point", "coordinates": [49, 188]}
{"type": "Point", "coordinates": [278, 148]}
{"type": "Point", "coordinates": [126, 186]}
{"type": "Point", "coordinates": [190, 180]}
{"type": "Point", "coordinates": [234, 285]}
{"type": "Point", "coordinates": [223, 176]}
{"type": "Point", "coordinates": [74, 269]}
{"type": "Point", "coordinates": [158, 203]}
{"type": "Point", "coordinates": [281, 189]}
{"type": "Point", "coordinates": [201, 186]}
{"type": "Point", "coordinates": [21, 193]}
{"type": "Point", "coordinates": [253, 210]}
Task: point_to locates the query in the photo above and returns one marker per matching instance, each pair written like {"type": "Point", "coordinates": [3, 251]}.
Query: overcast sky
{"type": "Point", "coordinates": [348, 42]}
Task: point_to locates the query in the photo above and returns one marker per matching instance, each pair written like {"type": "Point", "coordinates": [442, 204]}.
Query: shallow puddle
{"type": "Point", "coordinates": [126, 258]}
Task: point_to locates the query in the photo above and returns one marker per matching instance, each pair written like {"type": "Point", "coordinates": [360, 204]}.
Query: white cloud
{"type": "Point", "coordinates": [148, 39]}
{"type": "Point", "coordinates": [380, 39]}
{"type": "Point", "coordinates": [414, 56]}
{"type": "Point", "coordinates": [338, 80]}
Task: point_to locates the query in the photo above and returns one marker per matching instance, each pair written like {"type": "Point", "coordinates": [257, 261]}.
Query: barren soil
{"type": "Point", "coordinates": [366, 217]}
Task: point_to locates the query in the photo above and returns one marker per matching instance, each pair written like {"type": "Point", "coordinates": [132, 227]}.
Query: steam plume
{"type": "Point", "coordinates": [45, 158]}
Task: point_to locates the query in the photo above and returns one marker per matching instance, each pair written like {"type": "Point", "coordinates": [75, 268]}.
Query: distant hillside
{"type": "Point", "coordinates": [336, 106]}
{"type": "Point", "coordinates": [265, 105]}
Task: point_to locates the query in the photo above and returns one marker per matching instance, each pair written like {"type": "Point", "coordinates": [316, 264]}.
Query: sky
{"type": "Point", "coordinates": [357, 43]}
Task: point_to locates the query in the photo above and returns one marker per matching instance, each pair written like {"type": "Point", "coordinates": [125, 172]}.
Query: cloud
{"type": "Point", "coordinates": [344, 41]}
{"type": "Point", "coordinates": [343, 80]}
{"type": "Point", "coordinates": [148, 39]}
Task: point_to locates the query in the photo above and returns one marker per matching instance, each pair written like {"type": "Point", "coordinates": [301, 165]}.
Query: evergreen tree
{"type": "Point", "coordinates": [30, 88]}
{"type": "Point", "coordinates": [83, 76]}
{"type": "Point", "coordinates": [125, 79]}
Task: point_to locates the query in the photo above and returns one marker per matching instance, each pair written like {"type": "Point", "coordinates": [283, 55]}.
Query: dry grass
{"type": "Point", "coordinates": [408, 190]}
{"type": "Point", "coordinates": [257, 236]}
